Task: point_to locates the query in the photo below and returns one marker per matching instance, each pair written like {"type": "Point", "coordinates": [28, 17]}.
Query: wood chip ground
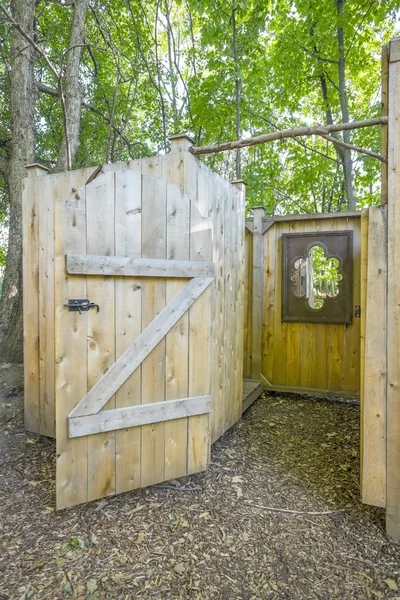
{"type": "Point", "coordinates": [205, 537]}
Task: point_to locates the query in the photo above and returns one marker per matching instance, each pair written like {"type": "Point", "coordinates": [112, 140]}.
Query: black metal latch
{"type": "Point", "coordinates": [80, 305]}
{"type": "Point", "coordinates": [357, 311]}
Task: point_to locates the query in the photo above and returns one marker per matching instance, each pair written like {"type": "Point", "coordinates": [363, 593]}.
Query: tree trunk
{"type": "Point", "coordinates": [238, 91]}
{"type": "Point", "coordinates": [347, 162]}
{"type": "Point", "coordinates": [23, 97]}
{"type": "Point", "coordinates": [72, 91]}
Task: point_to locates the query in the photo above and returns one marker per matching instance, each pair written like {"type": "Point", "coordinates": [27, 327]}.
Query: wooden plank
{"type": "Point", "coordinates": [313, 216]}
{"type": "Point", "coordinates": [200, 316]}
{"type": "Point", "coordinates": [258, 283]}
{"type": "Point", "coordinates": [384, 128]}
{"type": "Point", "coordinates": [269, 303]}
{"type": "Point", "coordinates": [280, 328]}
{"type": "Point", "coordinates": [128, 321]}
{"type": "Point", "coordinates": [70, 339]}
{"type": "Point", "coordinates": [248, 249]}
{"type": "Point", "coordinates": [177, 340]}
{"type": "Point", "coordinates": [46, 308]}
{"type": "Point", "coordinates": [218, 327]}
{"type": "Point", "coordinates": [393, 321]}
{"type": "Point", "coordinates": [295, 355]}
{"type": "Point", "coordinates": [140, 349]}
{"type": "Point", "coordinates": [80, 264]}
{"type": "Point", "coordinates": [374, 396]}
{"type": "Point", "coordinates": [252, 390]}
{"type": "Point", "coordinates": [30, 216]}
{"type": "Point", "coordinates": [154, 245]}
{"type": "Point", "coordinates": [100, 223]}
{"type": "Point", "coordinates": [134, 416]}
{"type": "Point", "coordinates": [363, 304]}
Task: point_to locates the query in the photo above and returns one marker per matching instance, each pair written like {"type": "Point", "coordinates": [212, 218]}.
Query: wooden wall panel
{"type": "Point", "coordinates": [291, 351]}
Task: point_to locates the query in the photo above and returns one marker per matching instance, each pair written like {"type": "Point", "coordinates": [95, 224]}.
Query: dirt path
{"type": "Point", "coordinates": [214, 542]}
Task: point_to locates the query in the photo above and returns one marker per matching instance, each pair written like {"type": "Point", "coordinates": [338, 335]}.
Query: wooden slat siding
{"type": "Point", "coordinates": [363, 302]}
{"type": "Point", "coordinates": [46, 307]}
{"type": "Point", "coordinates": [393, 321]}
{"type": "Point", "coordinates": [228, 301]}
{"type": "Point", "coordinates": [239, 268]}
{"type": "Point", "coordinates": [137, 267]}
{"type": "Point", "coordinates": [307, 337]}
{"type": "Point", "coordinates": [248, 277]}
{"type": "Point", "coordinates": [291, 350]}
{"type": "Point", "coordinates": [200, 316]}
{"type": "Point", "coordinates": [154, 223]}
{"type": "Point", "coordinates": [100, 222]}
{"type": "Point", "coordinates": [352, 332]}
{"type": "Point", "coordinates": [373, 424]}
{"type": "Point", "coordinates": [177, 340]}
{"type": "Point", "coordinates": [30, 216]}
{"type": "Point", "coordinates": [384, 128]}
{"type": "Point", "coordinates": [71, 340]}
{"type": "Point", "coordinates": [169, 411]}
{"type": "Point", "coordinates": [269, 302]}
{"type": "Point", "coordinates": [280, 328]}
{"type": "Point", "coordinates": [258, 283]}
{"type": "Point", "coordinates": [336, 340]}
{"type": "Point", "coordinates": [294, 354]}
{"type": "Point", "coordinates": [128, 320]}
{"type": "Point", "coordinates": [218, 371]}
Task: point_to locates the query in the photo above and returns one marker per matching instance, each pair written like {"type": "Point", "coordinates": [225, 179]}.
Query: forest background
{"type": "Point", "coordinates": [87, 82]}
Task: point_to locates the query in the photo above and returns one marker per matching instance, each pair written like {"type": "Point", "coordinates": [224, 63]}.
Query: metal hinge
{"type": "Point", "coordinates": [357, 311]}
{"type": "Point", "coordinates": [80, 305]}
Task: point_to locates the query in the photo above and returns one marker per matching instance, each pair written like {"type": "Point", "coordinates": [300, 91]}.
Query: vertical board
{"type": "Point", "coordinates": [373, 423]}
{"type": "Point", "coordinates": [30, 227]}
{"type": "Point", "coordinates": [393, 299]}
{"type": "Point", "coordinates": [154, 234]}
{"type": "Point", "coordinates": [71, 343]}
{"type": "Point", "coordinates": [247, 309]}
{"type": "Point", "coordinates": [128, 320]}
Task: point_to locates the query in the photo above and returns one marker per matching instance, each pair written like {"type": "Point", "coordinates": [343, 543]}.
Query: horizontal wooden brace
{"type": "Point", "coordinates": [91, 264]}
{"type": "Point", "coordinates": [143, 414]}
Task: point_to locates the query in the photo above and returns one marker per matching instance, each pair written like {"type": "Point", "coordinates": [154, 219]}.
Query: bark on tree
{"type": "Point", "coordinates": [72, 91]}
{"type": "Point", "coordinates": [23, 94]}
{"type": "Point", "coordinates": [347, 162]}
{"type": "Point", "coordinates": [238, 90]}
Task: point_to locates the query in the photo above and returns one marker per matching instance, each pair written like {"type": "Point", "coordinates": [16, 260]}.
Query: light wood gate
{"type": "Point", "coordinates": [132, 406]}
{"type": "Point", "coordinates": [135, 393]}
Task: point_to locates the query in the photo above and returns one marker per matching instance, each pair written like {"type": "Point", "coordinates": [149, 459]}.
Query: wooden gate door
{"type": "Point", "coordinates": [133, 366]}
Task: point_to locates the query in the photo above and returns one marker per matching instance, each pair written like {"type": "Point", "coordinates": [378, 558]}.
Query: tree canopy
{"type": "Point", "coordinates": [123, 75]}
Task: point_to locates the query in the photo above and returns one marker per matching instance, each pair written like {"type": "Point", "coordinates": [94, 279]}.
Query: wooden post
{"type": "Point", "coordinates": [180, 142]}
{"type": "Point", "coordinates": [258, 284]}
{"type": "Point", "coordinates": [393, 299]}
{"type": "Point", "coordinates": [384, 128]}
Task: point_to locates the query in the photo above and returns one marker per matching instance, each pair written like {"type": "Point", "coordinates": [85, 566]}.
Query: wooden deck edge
{"type": "Point", "coordinates": [251, 394]}
{"type": "Point", "coordinates": [269, 387]}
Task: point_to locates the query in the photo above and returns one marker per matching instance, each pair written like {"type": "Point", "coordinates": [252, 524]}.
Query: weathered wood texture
{"type": "Point", "coordinates": [373, 398]}
{"type": "Point", "coordinates": [166, 208]}
{"type": "Point", "coordinates": [292, 351]}
{"type": "Point", "coordinates": [393, 291]}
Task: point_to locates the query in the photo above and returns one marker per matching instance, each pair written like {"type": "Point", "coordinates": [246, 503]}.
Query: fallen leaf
{"type": "Point", "coordinates": [179, 568]}
{"type": "Point", "coordinates": [392, 585]}
{"type": "Point", "coordinates": [91, 586]}
{"type": "Point", "coordinates": [237, 479]}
